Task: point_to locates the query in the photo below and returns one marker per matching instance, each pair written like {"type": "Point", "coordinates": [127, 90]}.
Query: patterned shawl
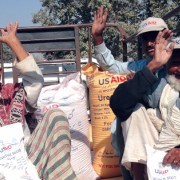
{"type": "Point", "coordinates": [12, 103]}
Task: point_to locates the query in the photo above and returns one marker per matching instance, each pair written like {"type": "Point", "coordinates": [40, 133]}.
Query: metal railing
{"type": "Point", "coordinates": [55, 38]}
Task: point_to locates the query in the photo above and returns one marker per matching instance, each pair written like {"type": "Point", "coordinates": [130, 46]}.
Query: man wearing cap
{"type": "Point", "coordinates": [160, 126]}
{"type": "Point", "coordinates": [147, 31]}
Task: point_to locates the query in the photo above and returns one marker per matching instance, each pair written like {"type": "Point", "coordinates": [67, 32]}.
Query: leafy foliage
{"type": "Point", "coordinates": [7, 55]}
{"type": "Point", "coordinates": [127, 13]}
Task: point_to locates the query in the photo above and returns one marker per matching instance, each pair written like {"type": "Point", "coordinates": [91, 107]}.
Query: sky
{"type": "Point", "coordinates": [21, 10]}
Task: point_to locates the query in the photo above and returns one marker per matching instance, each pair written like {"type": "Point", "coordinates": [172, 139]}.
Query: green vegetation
{"type": "Point", "coordinates": [127, 13]}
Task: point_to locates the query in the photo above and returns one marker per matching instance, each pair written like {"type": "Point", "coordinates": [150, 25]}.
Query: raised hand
{"type": "Point", "coordinates": [10, 34]}
{"type": "Point", "coordinates": [99, 24]}
{"type": "Point", "coordinates": [163, 50]}
{"type": "Point", "coordinates": [9, 37]}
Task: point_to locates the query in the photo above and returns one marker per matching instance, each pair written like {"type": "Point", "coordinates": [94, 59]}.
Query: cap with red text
{"type": "Point", "coordinates": [152, 24]}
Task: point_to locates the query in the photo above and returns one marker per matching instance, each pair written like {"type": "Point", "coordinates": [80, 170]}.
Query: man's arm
{"type": "Point", "coordinates": [103, 54]}
{"type": "Point", "coordinates": [25, 64]}
{"type": "Point", "coordinates": [128, 94]}
{"type": "Point", "coordinates": [32, 79]}
{"type": "Point", "coordinates": [108, 63]}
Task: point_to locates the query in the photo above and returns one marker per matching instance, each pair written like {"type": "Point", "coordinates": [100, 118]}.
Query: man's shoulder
{"type": "Point", "coordinates": [138, 65]}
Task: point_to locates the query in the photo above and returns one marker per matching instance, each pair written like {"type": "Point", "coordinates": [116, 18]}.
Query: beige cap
{"type": "Point", "coordinates": [152, 24]}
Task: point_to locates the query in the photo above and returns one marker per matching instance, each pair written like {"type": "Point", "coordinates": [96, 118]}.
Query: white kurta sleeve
{"type": "Point", "coordinates": [32, 80]}
{"type": "Point", "coordinates": [107, 62]}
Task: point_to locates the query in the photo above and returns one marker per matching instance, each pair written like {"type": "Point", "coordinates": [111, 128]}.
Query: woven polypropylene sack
{"type": "Point", "coordinates": [70, 97]}
{"type": "Point", "coordinates": [101, 86]}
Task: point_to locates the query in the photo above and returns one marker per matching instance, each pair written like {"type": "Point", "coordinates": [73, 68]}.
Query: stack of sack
{"type": "Point", "coordinates": [70, 96]}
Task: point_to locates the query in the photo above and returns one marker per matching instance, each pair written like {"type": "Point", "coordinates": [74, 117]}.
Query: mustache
{"type": "Point", "coordinates": [150, 47]}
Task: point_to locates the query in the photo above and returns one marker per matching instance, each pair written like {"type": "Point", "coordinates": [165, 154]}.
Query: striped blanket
{"type": "Point", "coordinates": [49, 147]}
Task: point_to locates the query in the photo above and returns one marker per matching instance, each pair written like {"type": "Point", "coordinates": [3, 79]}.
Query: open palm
{"type": "Point", "coordinates": [100, 17]}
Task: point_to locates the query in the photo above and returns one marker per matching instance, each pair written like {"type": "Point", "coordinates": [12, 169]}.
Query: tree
{"type": "Point", "coordinates": [7, 54]}
{"type": "Point", "coordinates": [160, 8]}
{"type": "Point", "coordinates": [54, 12]}
{"type": "Point", "coordinates": [127, 13]}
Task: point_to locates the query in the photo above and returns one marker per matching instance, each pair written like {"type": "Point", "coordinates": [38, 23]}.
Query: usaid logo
{"type": "Point", "coordinates": [7, 146]}
{"type": "Point", "coordinates": [149, 23]}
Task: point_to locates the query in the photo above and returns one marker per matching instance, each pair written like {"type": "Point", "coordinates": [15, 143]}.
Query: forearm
{"type": "Point", "coordinates": [154, 66]}
{"type": "Point", "coordinates": [98, 40]}
{"type": "Point", "coordinates": [107, 62]}
{"type": "Point", "coordinates": [17, 48]}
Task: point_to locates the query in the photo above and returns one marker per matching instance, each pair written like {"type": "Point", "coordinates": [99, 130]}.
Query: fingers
{"type": "Point", "coordinates": [164, 36]}
{"type": "Point", "coordinates": [8, 32]}
{"type": "Point", "coordinates": [3, 32]}
{"type": "Point", "coordinates": [95, 16]}
{"type": "Point", "coordinates": [101, 14]}
{"type": "Point", "coordinates": [168, 159]}
{"type": "Point", "coordinates": [11, 27]}
{"type": "Point", "coordinates": [105, 14]}
{"type": "Point", "coordinates": [175, 163]}
{"type": "Point", "coordinates": [171, 46]}
{"type": "Point", "coordinates": [16, 24]}
{"type": "Point", "coordinates": [162, 42]}
{"type": "Point", "coordinates": [172, 157]}
{"type": "Point", "coordinates": [97, 13]}
{"type": "Point", "coordinates": [8, 28]}
{"type": "Point", "coordinates": [167, 34]}
{"type": "Point", "coordinates": [100, 11]}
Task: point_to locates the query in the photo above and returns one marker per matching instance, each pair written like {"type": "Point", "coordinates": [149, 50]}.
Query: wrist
{"type": "Point", "coordinates": [17, 48]}
{"type": "Point", "coordinates": [98, 39]}
{"type": "Point", "coordinates": [11, 41]}
{"type": "Point", "coordinates": [153, 66]}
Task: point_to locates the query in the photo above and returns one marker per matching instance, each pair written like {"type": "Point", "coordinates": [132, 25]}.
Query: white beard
{"type": "Point", "coordinates": [174, 82]}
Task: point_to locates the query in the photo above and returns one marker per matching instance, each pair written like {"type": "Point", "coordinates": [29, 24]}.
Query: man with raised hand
{"type": "Point", "coordinates": [158, 126]}
{"type": "Point", "coordinates": [147, 31]}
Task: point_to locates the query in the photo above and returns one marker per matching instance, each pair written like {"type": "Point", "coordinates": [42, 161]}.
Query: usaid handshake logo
{"type": "Point", "coordinates": [161, 169]}
{"type": "Point", "coordinates": [7, 146]}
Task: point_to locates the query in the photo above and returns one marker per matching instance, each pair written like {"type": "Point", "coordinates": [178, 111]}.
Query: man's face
{"type": "Point", "coordinates": [173, 68]}
{"type": "Point", "coordinates": [148, 42]}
